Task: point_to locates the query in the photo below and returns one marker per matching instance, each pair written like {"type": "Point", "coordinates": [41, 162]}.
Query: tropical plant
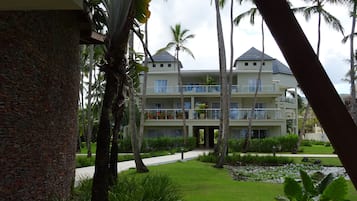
{"type": "Point", "coordinates": [179, 38]}
{"type": "Point", "coordinates": [119, 18]}
{"type": "Point", "coordinates": [318, 8]}
{"type": "Point", "coordinates": [328, 189]}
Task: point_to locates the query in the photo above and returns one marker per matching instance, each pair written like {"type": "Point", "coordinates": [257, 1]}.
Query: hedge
{"type": "Point", "coordinates": [159, 144]}
{"type": "Point", "coordinates": [286, 143]}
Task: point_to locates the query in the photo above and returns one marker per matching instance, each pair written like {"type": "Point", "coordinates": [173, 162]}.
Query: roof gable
{"type": "Point", "coordinates": [163, 56]}
{"type": "Point", "coordinates": [253, 55]}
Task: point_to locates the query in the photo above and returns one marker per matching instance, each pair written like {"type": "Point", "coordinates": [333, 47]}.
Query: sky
{"type": "Point", "coordinates": [198, 16]}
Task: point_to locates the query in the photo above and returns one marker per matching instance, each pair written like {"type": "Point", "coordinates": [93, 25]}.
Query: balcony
{"type": "Point", "coordinates": [211, 89]}
{"type": "Point", "coordinates": [214, 114]}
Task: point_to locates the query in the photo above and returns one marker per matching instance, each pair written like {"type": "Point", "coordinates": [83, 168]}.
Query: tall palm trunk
{"type": "Point", "coordinates": [89, 103]}
{"type": "Point", "coordinates": [230, 81]}
{"type": "Point", "coordinates": [182, 101]}
{"type": "Point", "coordinates": [143, 93]}
{"type": "Point", "coordinates": [257, 87]}
{"type": "Point", "coordinates": [224, 119]}
{"type": "Point", "coordinates": [352, 66]}
{"type": "Point", "coordinates": [135, 142]}
{"type": "Point", "coordinates": [307, 108]}
{"type": "Point", "coordinates": [140, 166]}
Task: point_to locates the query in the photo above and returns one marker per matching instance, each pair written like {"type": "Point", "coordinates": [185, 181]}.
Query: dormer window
{"type": "Point", "coordinates": [161, 65]}
{"type": "Point", "coordinates": [246, 64]}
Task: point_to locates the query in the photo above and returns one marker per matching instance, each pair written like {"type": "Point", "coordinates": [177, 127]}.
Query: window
{"type": "Point", "coordinates": [168, 65]}
{"type": "Point", "coordinates": [246, 64]}
{"type": "Point", "coordinates": [252, 85]}
{"type": "Point", "coordinates": [255, 63]}
{"type": "Point", "coordinates": [160, 86]}
{"type": "Point", "coordinates": [161, 65]}
{"type": "Point", "coordinates": [233, 114]}
{"type": "Point", "coordinates": [153, 65]}
{"type": "Point", "coordinates": [263, 63]}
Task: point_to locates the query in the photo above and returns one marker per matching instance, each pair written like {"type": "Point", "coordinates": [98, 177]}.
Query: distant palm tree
{"type": "Point", "coordinates": [251, 13]}
{"type": "Point", "coordinates": [318, 8]}
{"type": "Point", "coordinates": [179, 38]}
{"type": "Point", "coordinates": [352, 71]}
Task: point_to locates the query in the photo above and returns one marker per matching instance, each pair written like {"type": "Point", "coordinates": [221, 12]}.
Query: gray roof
{"type": "Point", "coordinates": [253, 55]}
{"type": "Point", "coordinates": [280, 68]}
{"type": "Point", "coordinates": [164, 56]}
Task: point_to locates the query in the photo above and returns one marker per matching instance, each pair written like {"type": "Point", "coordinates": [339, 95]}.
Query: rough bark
{"type": "Point", "coordinates": [39, 76]}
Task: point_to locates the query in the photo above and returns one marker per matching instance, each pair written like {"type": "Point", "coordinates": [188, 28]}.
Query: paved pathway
{"type": "Point", "coordinates": [87, 172]}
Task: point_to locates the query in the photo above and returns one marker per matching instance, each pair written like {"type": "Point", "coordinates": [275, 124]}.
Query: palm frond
{"type": "Point", "coordinates": [333, 21]}
{"type": "Point", "coordinates": [185, 49]}
{"type": "Point", "coordinates": [251, 13]}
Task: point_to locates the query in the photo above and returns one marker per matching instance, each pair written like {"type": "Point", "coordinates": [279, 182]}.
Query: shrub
{"type": "Point", "coordinates": [159, 144]}
{"type": "Point", "coordinates": [149, 187]}
{"type": "Point", "coordinates": [133, 188]}
{"type": "Point", "coordinates": [84, 161]}
{"type": "Point", "coordinates": [286, 143]}
{"type": "Point", "coordinates": [247, 160]}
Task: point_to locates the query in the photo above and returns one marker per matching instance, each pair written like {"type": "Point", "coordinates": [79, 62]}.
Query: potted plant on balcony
{"type": "Point", "coordinates": [201, 110]}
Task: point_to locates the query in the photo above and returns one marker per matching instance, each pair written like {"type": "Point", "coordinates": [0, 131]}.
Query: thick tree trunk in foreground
{"type": "Point", "coordinates": [39, 85]}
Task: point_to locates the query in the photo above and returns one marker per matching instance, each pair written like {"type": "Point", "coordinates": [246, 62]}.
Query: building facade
{"type": "Point", "coordinates": [275, 110]}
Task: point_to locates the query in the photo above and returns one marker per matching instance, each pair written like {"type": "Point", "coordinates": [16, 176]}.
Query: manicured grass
{"type": "Point", "coordinates": [317, 149]}
{"type": "Point", "coordinates": [201, 182]}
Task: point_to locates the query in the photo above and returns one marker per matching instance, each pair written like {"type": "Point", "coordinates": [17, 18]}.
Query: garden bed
{"type": "Point", "coordinates": [276, 174]}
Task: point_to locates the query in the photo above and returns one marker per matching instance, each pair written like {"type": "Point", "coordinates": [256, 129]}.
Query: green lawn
{"type": "Point", "coordinates": [317, 149]}
{"type": "Point", "coordinates": [201, 182]}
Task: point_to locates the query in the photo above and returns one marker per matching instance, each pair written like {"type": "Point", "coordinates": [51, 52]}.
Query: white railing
{"type": "Point", "coordinates": [214, 114]}
{"type": "Point", "coordinates": [187, 89]}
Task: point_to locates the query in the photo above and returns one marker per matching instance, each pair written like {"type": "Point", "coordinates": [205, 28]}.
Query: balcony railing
{"type": "Point", "coordinates": [210, 89]}
{"type": "Point", "coordinates": [214, 114]}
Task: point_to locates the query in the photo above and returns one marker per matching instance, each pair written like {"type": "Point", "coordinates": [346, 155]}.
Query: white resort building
{"type": "Point", "coordinates": [275, 109]}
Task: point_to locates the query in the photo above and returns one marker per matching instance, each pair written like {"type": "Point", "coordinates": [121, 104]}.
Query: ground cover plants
{"type": "Point", "coordinates": [144, 187]}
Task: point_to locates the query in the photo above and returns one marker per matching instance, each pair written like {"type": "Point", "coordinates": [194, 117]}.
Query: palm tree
{"type": "Point", "coordinates": [251, 13]}
{"type": "Point", "coordinates": [119, 19]}
{"type": "Point", "coordinates": [224, 118]}
{"type": "Point", "coordinates": [352, 71]}
{"type": "Point", "coordinates": [179, 38]}
{"type": "Point", "coordinates": [318, 8]}
{"type": "Point", "coordinates": [133, 76]}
